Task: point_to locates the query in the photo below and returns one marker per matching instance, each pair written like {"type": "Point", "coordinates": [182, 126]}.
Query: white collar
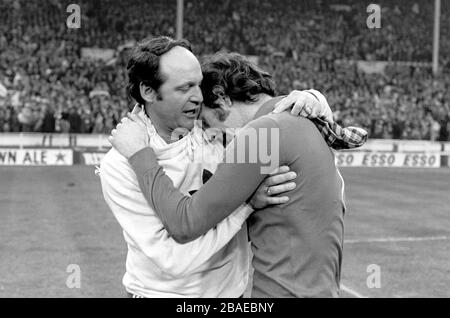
{"type": "Point", "coordinates": [196, 137]}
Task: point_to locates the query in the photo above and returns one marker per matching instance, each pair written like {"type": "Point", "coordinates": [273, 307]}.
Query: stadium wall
{"type": "Point", "coordinates": [34, 149]}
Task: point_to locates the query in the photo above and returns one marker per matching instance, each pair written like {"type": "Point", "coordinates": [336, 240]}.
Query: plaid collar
{"type": "Point", "coordinates": [338, 137]}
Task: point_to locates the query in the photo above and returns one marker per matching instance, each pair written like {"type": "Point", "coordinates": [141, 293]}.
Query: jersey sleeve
{"type": "Point", "coordinates": [247, 163]}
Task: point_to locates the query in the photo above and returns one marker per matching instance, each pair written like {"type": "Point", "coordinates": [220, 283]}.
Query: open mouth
{"type": "Point", "coordinates": [191, 112]}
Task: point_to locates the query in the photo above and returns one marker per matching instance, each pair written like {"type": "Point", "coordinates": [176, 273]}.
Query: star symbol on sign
{"type": "Point", "coordinates": [60, 157]}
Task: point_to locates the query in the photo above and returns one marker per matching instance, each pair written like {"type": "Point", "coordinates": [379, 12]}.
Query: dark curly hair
{"type": "Point", "coordinates": [143, 63]}
{"type": "Point", "coordinates": [232, 75]}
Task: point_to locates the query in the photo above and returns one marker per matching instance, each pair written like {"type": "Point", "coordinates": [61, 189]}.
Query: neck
{"type": "Point", "coordinates": [166, 136]}
{"type": "Point", "coordinates": [163, 131]}
{"type": "Point", "coordinates": [246, 111]}
{"type": "Point", "coordinates": [262, 99]}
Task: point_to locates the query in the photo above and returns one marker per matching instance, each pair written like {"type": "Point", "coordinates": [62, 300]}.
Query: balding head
{"type": "Point", "coordinates": [144, 63]}
{"type": "Point", "coordinates": [179, 62]}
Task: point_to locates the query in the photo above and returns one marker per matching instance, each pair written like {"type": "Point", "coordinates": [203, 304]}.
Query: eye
{"type": "Point", "coordinates": [184, 89]}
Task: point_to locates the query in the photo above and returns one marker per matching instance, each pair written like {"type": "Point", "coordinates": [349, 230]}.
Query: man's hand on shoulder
{"type": "Point", "coordinates": [309, 103]}
{"type": "Point", "coordinates": [130, 136]}
{"type": "Point", "coordinates": [270, 191]}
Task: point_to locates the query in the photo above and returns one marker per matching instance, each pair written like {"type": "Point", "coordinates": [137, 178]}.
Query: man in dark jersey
{"type": "Point", "coordinates": [297, 246]}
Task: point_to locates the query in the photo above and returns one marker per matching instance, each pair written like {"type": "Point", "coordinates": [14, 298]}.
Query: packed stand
{"type": "Point", "coordinates": [48, 86]}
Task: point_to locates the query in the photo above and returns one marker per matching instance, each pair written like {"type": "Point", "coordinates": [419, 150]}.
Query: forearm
{"type": "Point", "coordinates": [232, 184]}
{"type": "Point", "coordinates": [184, 218]}
{"type": "Point", "coordinates": [144, 230]}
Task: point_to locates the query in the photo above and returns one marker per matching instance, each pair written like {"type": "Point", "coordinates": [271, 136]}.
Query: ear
{"type": "Point", "coordinates": [147, 93]}
{"type": "Point", "coordinates": [225, 107]}
{"type": "Point", "coordinates": [227, 101]}
{"type": "Point", "coordinates": [223, 102]}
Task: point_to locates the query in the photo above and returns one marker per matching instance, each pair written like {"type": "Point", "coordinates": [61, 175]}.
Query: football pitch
{"type": "Point", "coordinates": [54, 219]}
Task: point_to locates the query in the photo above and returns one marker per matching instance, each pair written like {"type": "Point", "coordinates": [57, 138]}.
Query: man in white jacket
{"type": "Point", "coordinates": [164, 78]}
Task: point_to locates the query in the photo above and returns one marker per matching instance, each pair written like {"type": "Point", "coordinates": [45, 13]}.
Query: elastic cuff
{"type": "Point", "coordinates": [143, 160]}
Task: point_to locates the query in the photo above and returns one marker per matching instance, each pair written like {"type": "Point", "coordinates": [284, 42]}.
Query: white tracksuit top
{"type": "Point", "coordinates": [214, 265]}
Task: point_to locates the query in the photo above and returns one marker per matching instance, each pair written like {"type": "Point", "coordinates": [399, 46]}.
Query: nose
{"type": "Point", "coordinates": [197, 96]}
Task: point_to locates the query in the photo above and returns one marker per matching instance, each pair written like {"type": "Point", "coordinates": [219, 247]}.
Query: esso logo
{"type": "Point", "coordinates": [345, 159]}
{"type": "Point", "coordinates": [378, 160]}
{"type": "Point", "coordinates": [419, 160]}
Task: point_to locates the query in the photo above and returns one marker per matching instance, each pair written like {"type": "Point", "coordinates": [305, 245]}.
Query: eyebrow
{"type": "Point", "coordinates": [189, 83]}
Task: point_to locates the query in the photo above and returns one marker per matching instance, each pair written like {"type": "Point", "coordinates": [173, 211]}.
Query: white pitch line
{"type": "Point", "coordinates": [398, 239]}
{"type": "Point", "coordinates": [352, 292]}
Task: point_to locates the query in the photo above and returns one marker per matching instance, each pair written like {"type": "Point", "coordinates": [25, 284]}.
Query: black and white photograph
{"type": "Point", "coordinates": [243, 150]}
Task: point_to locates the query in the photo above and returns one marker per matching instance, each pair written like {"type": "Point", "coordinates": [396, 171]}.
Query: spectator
{"type": "Point", "coordinates": [74, 120]}
{"type": "Point", "coordinates": [48, 120]}
{"type": "Point", "coordinates": [306, 44]}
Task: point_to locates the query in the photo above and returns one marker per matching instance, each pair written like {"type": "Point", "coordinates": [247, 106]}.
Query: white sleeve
{"type": "Point", "coordinates": [144, 230]}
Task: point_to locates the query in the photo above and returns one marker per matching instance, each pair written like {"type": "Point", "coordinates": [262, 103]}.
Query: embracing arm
{"type": "Point", "coordinates": [144, 231]}
{"type": "Point", "coordinates": [314, 106]}
{"type": "Point", "coordinates": [187, 218]}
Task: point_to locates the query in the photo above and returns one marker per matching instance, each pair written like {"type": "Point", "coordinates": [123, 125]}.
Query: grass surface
{"type": "Point", "coordinates": [408, 205]}
{"type": "Point", "coordinates": [52, 217]}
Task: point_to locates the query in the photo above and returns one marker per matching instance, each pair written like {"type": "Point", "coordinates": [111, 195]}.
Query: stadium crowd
{"type": "Point", "coordinates": [46, 85]}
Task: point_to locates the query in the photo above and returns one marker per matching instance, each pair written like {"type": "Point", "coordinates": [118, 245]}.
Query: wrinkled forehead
{"type": "Point", "coordinates": [180, 65]}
